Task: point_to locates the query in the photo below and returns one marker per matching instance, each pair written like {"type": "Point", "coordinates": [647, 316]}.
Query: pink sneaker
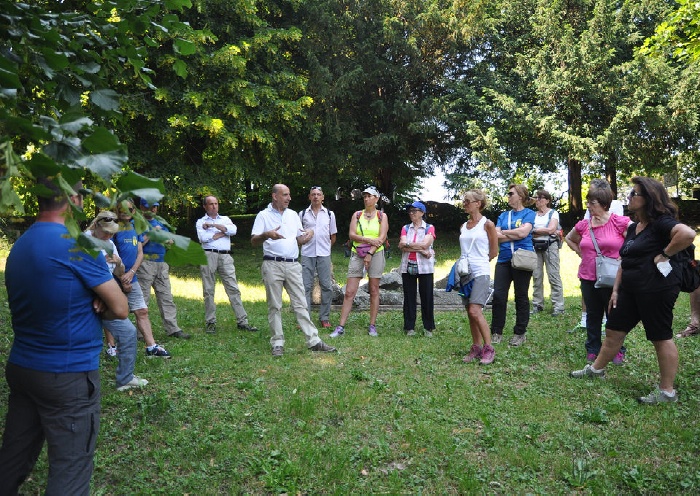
{"type": "Point", "coordinates": [590, 358]}
{"type": "Point", "coordinates": [488, 355]}
{"type": "Point", "coordinates": [619, 358]}
{"type": "Point", "coordinates": [474, 353]}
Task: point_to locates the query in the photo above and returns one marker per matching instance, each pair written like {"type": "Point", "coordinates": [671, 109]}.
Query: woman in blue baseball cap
{"type": "Point", "coordinates": [417, 268]}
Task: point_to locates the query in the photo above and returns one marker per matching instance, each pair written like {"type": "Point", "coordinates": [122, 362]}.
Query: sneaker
{"type": "Point", "coordinates": [587, 371]}
{"type": "Point", "coordinates": [277, 351]}
{"type": "Point", "coordinates": [536, 309]}
{"type": "Point", "coordinates": [322, 347]}
{"type": "Point", "coordinates": [247, 327]}
{"type": "Point", "coordinates": [111, 351]}
{"type": "Point", "coordinates": [372, 331]}
{"type": "Point", "coordinates": [691, 330]}
{"type": "Point", "coordinates": [325, 324]}
{"type": "Point", "coordinates": [410, 332]}
{"type": "Point", "coordinates": [658, 396]}
{"type": "Point", "coordinates": [474, 353]}
{"type": "Point", "coordinates": [179, 335]}
{"type": "Point", "coordinates": [339, 331]}
{"type": "Point", "coordinates": [157, 351]}
{"type": "Point", "coordinates": [619, 358]}
{"type": "Point", "coordinates": [590, 358]}
{"type": "Point", "coordinates": [428, 334]}
{"type": "Point", "coordinates": [517, 340]}
{"type": "Point", "coordinates": [134, 382]}
{"type": "Point", "coordinates": [557, 313]}
{"type": "Point", "coordinates": [488, 355]}
{"type": "Point", "coordinates": [496, 338]}
{"type": "Point", "coordinates": [211, 328]}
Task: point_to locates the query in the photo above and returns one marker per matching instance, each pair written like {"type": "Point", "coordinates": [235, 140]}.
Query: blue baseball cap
{"type": "Point", "coordinates": [418, 205]}
{"type": "Point", "coordinates": [145, 203]}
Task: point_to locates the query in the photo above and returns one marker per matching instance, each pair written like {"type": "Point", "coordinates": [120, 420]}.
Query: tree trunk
{"type": "Point", "coordinates": [575, 202]}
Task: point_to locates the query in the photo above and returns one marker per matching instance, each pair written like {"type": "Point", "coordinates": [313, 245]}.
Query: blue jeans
{"type": "Point", "coordinates": [64, 411]}
{"type": "Point", "coordinates": [124, 333]}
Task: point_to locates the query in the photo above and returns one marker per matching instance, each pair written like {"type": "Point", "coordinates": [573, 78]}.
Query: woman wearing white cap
{"type": "Point", "coordinates": [368, 231]}
{"type": "Point", "coordinates": [417, 268]}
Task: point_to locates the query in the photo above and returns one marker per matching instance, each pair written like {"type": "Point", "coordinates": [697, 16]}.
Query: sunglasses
{"type": "Point", "coordinates": [634, 193]}
{"type": "Point", "coordinates": [510, 193]}
{"type": "Point", "coordinates": [107, 220]}
{"type": "Point", "coordinates": [316, 187]}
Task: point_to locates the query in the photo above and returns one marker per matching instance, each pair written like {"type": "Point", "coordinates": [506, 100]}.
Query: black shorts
{"type": "Point", "coordinates": [654, 310]}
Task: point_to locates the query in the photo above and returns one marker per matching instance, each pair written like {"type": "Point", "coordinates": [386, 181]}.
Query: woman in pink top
{"type": "Point", "coordinates": [609, 230]}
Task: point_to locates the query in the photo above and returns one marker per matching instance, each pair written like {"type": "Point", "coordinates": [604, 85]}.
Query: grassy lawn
{"type": "Point", "coordinates": [392, 414]}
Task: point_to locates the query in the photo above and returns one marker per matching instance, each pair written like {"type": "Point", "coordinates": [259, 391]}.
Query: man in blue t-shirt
{"type": "Point", "coordinates": [57, 296]}
{"type": "Point", "coordinates": [130, 248]}
{"type": "Point", "coordinates": [155, 272]}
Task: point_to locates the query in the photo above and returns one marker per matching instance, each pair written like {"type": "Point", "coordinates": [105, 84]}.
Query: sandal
{"type": "Point", "coordinates": [691, 330]}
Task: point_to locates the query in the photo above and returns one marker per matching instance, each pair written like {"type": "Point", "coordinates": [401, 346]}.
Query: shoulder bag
{"type": "Point", "coordinates": [605, 267]}
{"type": "Point", "coordinates": [522, 259]}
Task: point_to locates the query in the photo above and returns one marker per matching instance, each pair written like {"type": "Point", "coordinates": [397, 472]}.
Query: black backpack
{"type": "Point", "coordinates": [690, 269]}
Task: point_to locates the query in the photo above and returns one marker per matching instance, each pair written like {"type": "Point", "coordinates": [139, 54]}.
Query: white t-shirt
{"type": "Point", "coordinates": [542, 221]}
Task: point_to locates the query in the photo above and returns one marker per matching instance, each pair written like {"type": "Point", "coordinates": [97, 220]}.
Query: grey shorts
{"type": "Point", "coordinates": [481, 291]}
{"type": "Point", "coordinates": [135, 298]}
{"type": "Point", "coordinates": [376, 267]}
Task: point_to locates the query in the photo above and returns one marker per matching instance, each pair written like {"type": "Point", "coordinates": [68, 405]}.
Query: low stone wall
{"type": "Point", "coordinates": [390, 294]}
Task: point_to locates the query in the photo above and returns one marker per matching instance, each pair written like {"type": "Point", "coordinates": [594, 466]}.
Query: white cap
{"type": "Point", "coordinates": [371, 190]}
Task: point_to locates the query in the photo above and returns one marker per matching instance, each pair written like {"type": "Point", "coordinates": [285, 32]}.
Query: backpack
{"type": "Point", "coordinates": [690, 269]}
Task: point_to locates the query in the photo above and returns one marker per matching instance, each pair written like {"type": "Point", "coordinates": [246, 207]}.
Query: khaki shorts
{"type": "Point", "coordinates": [376, 266]}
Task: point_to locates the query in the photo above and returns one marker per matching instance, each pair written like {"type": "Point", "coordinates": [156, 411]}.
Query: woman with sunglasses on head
{"type": "Point", "coordinates": [514, 230]}
{"type": "Point", "coordinates": [647, 285]}
{"type": "Point", "coordinates": [609, 230]}
{"type": "Point", "coordinates": [368, 232]}
{"type": "Point", "coordinates": [417, 268]}
{"type": "Point", "coordinates": [479, 245]}
{"type": "Point", "coordinates": [103, 227]}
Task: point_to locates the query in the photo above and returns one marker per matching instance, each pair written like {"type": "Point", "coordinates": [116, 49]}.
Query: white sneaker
{"type": "Point", "coordinates": [135, 381]}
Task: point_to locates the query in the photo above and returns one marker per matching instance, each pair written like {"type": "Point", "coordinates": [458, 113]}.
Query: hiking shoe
{"type": "Point", "coordinates": [157, 351]}
{"type": "Point", "coordinates": [179, 335]}
{"type": "Point", "coordinates": [247, 327]}
{"type": "Point", "coordinates": [474, 353]}
{"type": "Point", "coordinates": [277, 351]}
{"type": "Point", "coordinates": [135, 381]}
{"type": "Point", "coordinates": [339, 331]}
{"type": "Point", "coordinates": [488, 355]}
{"type": "Point", "coordinates": [590, 358]}
{"type": "Point", "coordinates": [410, 332]}
{"type": "Point", "coordinates": [111, 351]}
{"type": "Point", "coordinates": [517, 340]}
{"type": "Point", "coordinates": [428, 333]}
{"type": "Point", "coordinates": [536, 309]}
{"type": "Point", "coordinates": [557, 313]}
{"type": "Point", "coordinates": [658, 396]}
{"type": "Point", "coordinates": [619, 358]}
{"type": "Point", "coordinates": [211, 328]}
{"type": "Point", "coordinates": [372, 331]}
{"type": "Point", "coordinates": [691, 330]}
{"type": "Point", "coordinates": [587, 371]}
{"type": "Point", "coordinates": [496, 338]}
{"type": "Point", "coordinates": [322, 347]}
{"type": "Point", "coordinates": [325, 324]}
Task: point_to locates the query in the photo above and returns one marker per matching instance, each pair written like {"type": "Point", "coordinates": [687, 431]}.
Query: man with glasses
{"type": "Point", "coordinates": [214, 232]}
{"type": "Point", "coordinates": [316, 254]}
{"type": "Point", "coordinates": [155, 272]}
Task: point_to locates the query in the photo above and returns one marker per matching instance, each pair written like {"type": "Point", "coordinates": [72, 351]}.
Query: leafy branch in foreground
{"type": "Point", "coordinates": [59, 68]}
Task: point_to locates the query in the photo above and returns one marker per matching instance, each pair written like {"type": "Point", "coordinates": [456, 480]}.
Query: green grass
{"type": "Point", "coordinates": [388, 415]}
